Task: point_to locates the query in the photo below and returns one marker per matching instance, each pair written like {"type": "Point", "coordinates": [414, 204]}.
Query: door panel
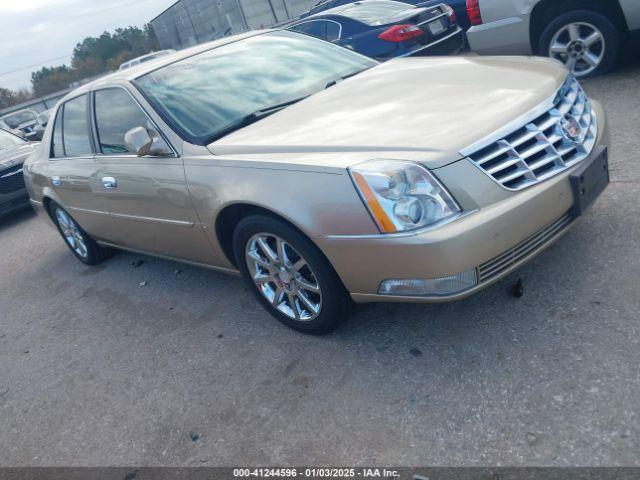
{"type": "Point", "coordinates": [151, 208]}
{"type": "Point", "coordinates": [147, 197]}
{"type": "Point", "coordinates": [73, 166]}
{"type": "Point", "coordinates": [76, 189]}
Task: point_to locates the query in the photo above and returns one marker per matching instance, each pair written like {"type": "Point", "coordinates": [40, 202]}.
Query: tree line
{"type": "Point", "coordinates": [92, 57]}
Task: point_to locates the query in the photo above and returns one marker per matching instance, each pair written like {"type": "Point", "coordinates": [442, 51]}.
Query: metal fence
{"type": "Point", "coordinates": [38, 104]}
{"type": "Point", "coordinates": [189, 22]}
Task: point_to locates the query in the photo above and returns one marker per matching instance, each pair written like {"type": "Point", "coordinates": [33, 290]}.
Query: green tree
{"type": "Point", "coordinates": [94, 56]}
{"type": "Point", "coordinates": [9, 98]}
{"type": "Point", "coordinates": [51, 79]}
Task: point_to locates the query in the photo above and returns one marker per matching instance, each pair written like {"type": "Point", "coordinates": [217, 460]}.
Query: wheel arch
{"type": "Point", "coordinates": [546, 10]}
{"type": "Point", "coordinates": [47, 201]}
{"type": "Point", "coordinates": [229, 216]}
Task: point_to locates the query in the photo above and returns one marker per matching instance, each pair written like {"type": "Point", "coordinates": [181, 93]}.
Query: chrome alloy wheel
{"type": "Point", "coordinates": [72, 233]}
{"type": "Point", "coordinates": [283, 277]}
{"type": "Point", "coordinates": [580, 46]}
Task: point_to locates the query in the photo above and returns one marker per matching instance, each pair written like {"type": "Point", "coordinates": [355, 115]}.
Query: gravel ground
{"type": "Point", "coordinates": [189, 370]}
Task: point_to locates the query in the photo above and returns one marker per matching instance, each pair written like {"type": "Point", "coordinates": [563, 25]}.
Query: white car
{"type": "Point", "coordinates": [145, 58]}
{"type": "Point", "coordinates": [585, 35]}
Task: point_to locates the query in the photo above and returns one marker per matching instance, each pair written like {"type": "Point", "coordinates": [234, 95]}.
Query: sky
{"type": "Point", "coordinates": [37, 33]}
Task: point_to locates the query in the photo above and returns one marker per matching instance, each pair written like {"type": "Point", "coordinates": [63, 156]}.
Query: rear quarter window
{"type": "Point", "coordinates": [57, 147]}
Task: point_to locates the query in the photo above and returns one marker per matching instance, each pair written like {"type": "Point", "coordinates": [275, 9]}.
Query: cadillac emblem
{"type": "Point", "coordinates": [571, 131]}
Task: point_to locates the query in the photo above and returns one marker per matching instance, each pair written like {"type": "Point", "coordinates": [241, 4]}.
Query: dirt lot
{"type": "Point", "coordinates": [189, 370]}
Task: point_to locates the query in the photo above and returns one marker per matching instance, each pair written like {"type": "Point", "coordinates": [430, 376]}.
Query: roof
{"type": "Point", "coordinates": [136, 71]}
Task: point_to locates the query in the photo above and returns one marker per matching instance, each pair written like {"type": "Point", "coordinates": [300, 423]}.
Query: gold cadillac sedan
{"type": "Point", "coordinates": [320, 175]}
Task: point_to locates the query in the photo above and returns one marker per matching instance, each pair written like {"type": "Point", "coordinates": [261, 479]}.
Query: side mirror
{"type": "Point", "coordinates": [138, 141]}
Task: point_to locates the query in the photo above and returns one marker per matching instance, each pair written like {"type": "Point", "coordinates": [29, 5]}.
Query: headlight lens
{"type": "Point", "coordinates": [402, 196]}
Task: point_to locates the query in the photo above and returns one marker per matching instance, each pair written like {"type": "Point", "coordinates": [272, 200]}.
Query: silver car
{"type": "Point", "coordinates": [586, 36]}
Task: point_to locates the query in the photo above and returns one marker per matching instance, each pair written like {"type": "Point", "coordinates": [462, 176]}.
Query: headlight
{"type": "Point", "coordinates": [402, 196]}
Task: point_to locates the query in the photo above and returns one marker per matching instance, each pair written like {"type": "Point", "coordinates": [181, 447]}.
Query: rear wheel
{"type": "Point", "coordinates": [289, 275]}
{"type": "Point", "coordinates": [587, 42]}
{"type": "Point", "coordinates": [79, 242]}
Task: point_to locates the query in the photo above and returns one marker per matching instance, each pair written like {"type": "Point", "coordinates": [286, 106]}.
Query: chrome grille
{"type": "Point", "coordinates": [542, 148]}
{"type": "Point", "coordinates": [11, 180]}
{"type": "Point", "coordinates": [506, 260]}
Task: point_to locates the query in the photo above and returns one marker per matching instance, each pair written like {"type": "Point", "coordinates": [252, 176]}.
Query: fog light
{"type": "Point", "coordinates": [430, 287]}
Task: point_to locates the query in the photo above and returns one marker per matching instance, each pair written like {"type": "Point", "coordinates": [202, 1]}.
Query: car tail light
{"type": "Point", "coordinates": [473, 10]}
{"type": "Point", "coordinates": [450, 13]}
{"type": "Point", "coordinates": [400, 33]}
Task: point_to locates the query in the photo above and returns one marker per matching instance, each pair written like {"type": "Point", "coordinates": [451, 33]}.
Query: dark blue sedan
{"type": "Point", "coordinates": [459, 7]}
{"type": "Point", "coordinates": [384, 29]}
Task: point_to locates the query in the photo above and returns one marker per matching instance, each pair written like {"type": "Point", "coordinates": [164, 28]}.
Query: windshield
{"type": "Point", "coordinates": [9, 140]}
{"type": "Point", "coordinates": [377, 13]}
{"type": "Point", "coordinates": [14, 120]}
{"type": "Point", "coordinates": [206, 94]}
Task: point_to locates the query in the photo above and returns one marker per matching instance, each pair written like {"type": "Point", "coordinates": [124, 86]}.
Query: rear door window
{"type": "Point", "coordinates": [316, 28]}
{"type": "Point", "coordinates": [333, 31]}
{"type": "Point", "coordinates": [75, 128]}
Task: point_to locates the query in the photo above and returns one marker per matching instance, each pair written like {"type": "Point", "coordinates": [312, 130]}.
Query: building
{"type": "Point", "coordinates": [189, 22]}
{"type": "Point", "coordinates": [38, 104]}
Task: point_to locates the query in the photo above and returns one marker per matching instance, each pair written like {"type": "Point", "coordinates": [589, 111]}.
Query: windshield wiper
{"type": "Point", "coordinates": [343, 77]}
{"type": "Point", "coordinates": [252, 118]}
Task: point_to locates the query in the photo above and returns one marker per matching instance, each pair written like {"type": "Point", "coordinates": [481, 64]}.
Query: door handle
{"type": "Point", "coordinates": [109, 182]}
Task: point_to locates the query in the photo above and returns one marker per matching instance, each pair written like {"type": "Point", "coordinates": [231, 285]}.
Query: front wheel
{"type": "Point", "coordinates": [289, 275]}
{"type": "Point", "coordinates": [587, 42]}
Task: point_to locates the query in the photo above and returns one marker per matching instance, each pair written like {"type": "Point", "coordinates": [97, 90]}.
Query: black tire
{"type": "Point", "coordinates": [612, 37]}
{"type": "Point", "coordinates": [334, 298]}
{"type": "Point", "coordinates": [95, 254]}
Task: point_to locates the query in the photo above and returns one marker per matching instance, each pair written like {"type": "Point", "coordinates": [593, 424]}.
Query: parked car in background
{"type": "Point", "coordinates": [585, 35]}
{"type": "Point", "coordinates": [6, 127]}
{"type": "Point", "coordinates": [384, 29]}
{"type": "Point", "coordinates": [24, 121]}
{"type": "Point", "coordinates": [41, 123]}
{"type": "Point", "coordinates": [13, 152]}
{"type": "Point", "coordinates": [415, 180]}
{"type": "Point", "coordinates": [145, 58]}
{"type": "Point", "coordinates": [459, 7]}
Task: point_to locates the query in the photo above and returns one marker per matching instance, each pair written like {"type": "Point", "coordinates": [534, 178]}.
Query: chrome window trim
{"type": "Point", "coordinates": [318, 20]}
{"type": "Point", "coordinates": [127, 155]}
{"type": "Point", "coordinates": [10, 174]}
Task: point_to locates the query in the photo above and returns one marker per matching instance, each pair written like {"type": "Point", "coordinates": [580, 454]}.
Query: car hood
{"type": "Point", "coordinates": [17, 155]}
{"type": "Point", "coordinates": [422, 109]}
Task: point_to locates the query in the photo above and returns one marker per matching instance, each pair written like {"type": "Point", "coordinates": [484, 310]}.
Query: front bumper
{"type": "Point", "coordinates": [13, 202]}
{"type": "Point", "coordinates": [493, 240]}
{"type": "Point", "coordinates": [13, 193]}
